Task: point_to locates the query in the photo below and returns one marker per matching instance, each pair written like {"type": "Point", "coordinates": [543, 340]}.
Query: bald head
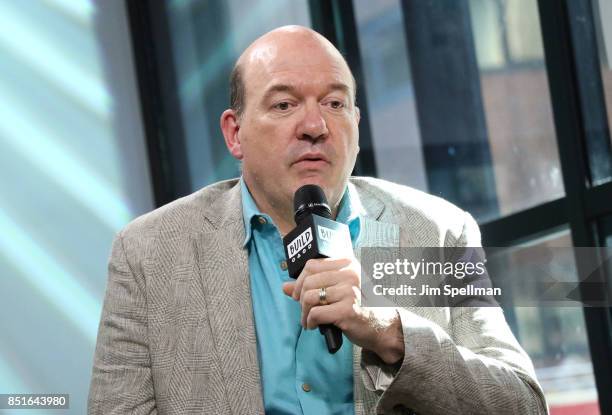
{"type": "Point", "coordinates": [286, 43]}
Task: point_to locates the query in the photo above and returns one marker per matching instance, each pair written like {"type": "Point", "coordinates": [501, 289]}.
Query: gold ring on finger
{"type": "Point", "coordinates": [322, 296]}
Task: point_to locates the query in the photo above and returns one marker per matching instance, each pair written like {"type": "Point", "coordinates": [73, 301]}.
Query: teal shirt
{"type": "Point", "coordinates": [298, 374]}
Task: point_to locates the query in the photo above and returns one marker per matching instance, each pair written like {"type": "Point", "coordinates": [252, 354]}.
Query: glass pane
{"type": "Point", "coordinates": [602, 15]}
{"type": "Point", "coordinates": [73, 171]}
{"type": "Point", "coordinates": [602, 11]}
{"type": "Point", "coordinates": [517, 104]}
{"type": "Point", "coordinates": [207, 38]}
{"type": "Point", "coordinates": [390, 93]}
{"type": "Point", "coordinates": [604, 226]}
{"type": "Point", "coordinates": [554, 337]}
{"type": "Point", "coordinates": [459, 101]}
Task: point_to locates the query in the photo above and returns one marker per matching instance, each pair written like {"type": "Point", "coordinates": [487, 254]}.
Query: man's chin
{"type": "Point", "coordinates": [319, 180]}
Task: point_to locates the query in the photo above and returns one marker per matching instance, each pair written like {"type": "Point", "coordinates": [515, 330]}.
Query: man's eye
{"type": "Point", "coordinates": [336, 104]}
{"type": "Point", "coordinates": [283, 106]}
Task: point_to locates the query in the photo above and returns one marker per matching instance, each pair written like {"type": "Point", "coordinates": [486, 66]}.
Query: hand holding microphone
{"type": "Point", "coordinates": [328, 286]}
{"type": "Point", "coordinates": [315, 236]}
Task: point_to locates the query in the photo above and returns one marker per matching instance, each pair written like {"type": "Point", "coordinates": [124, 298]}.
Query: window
{"type": "Point", "coordinates": [602, 16]}
{"type": "Point", "coordinates": [391, 98]}
{"type": "Point", "coordinates": [206, 39]}
{"type": "Point", "coordinates": [459, 102]}
{"type": "Point", "coordinates": [553, 336]}
{"type": "Point", "coordinates": [74, 172]}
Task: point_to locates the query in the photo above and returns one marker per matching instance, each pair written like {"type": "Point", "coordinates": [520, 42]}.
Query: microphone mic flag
{"type": "Point", "coordinates": [316, 235]}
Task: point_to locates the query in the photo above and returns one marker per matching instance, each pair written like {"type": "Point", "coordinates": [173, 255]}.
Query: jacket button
{"type": "Point", "coordinates": [262, 220]}
{"type": "Point", "coordinates": [306, 387]}
{"type": "Point", "coordinates": [283, 265]}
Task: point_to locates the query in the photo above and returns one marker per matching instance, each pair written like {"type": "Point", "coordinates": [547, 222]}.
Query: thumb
{"type": "Point", "coordinates": [288, 288]}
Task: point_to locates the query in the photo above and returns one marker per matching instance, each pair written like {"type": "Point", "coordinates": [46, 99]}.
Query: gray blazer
{"type": "Point", "coordinates": [177, 334]}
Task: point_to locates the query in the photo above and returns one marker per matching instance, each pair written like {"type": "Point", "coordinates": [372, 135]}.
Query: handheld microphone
{"type": "Point", "coordinates": [316, 235]}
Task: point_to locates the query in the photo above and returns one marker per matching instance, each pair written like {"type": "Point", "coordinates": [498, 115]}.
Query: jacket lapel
{"type": "Point", "coordinates": [223, 267]}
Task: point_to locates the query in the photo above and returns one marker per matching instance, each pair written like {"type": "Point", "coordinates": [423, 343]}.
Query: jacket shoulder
{"type": "Point", "coordinates": [403, 197]}
{"type": "Point", "coordinates": [184, 215]}
{"type": "Point", "coordinates": [418, 210]}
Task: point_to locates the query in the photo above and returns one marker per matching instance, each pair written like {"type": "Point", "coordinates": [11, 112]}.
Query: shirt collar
{"type": "Point", "coordinates": [249, 211]}
{"type": "Point", "coordinates": [350, 212]}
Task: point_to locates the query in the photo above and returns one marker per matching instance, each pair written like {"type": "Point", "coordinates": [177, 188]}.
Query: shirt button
{"type": "Point", "coordinates": [284, 265]}
{"type": "Point", "coordinates": [306, 387]}
{"type": "Point", "coordinates": [262, 220]}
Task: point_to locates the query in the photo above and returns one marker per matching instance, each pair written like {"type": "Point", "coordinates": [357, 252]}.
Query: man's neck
{"type": "Point", "coordinates": [282, 216]}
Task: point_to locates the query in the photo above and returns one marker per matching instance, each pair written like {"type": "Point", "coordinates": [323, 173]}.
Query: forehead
{"type": "Point", "coordinates": [309, 64]}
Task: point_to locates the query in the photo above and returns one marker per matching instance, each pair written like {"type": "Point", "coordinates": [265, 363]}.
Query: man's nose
{"type": "Point", "coordinates": [312, 126]}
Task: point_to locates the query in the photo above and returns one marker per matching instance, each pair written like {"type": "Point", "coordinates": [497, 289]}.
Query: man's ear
{"type": "Point", "coordinates": [230, 125]}
{"type": "Point", "coordinates": [358, 115]}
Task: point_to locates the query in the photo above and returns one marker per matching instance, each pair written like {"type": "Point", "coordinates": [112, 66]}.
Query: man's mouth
{"type": "Point", "coordinates": [312, 160]}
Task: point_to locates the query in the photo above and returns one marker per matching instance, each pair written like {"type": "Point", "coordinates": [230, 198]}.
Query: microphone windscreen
{"type": "Point", "coordinates": [310, 198]}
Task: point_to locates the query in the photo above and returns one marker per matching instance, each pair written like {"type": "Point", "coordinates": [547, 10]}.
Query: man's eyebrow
{"type": "Point", "coordinates": [336, 86]}
{"type": "Point", "coordinates": [339, 86]}
{"type": "Point", "coordinates": [278, 88]}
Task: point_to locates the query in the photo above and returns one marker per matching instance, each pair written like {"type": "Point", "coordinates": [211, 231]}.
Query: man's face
{"type": "Point", "coordinates": [299, 125]}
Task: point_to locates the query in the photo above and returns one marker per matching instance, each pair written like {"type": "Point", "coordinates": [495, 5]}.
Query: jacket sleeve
{"type": "Point", "coordinates": [475, 367]}
{"type": "Point", "coordinates": [121, 380]}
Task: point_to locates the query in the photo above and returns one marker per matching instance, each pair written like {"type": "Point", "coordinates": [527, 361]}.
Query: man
{"type": "Point", "coordinates": [201, 317]}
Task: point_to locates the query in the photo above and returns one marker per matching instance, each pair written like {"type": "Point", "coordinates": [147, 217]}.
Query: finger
{"type": "Point", "coordinates": [327, 314]}
{"type": "Point", "coordinates": [345, 276]}
{"type": "Point", "coordinates": [288, 288]}
{"type": "Point", "coordinates": [311, 298]}
{"type": "Point", "coordinates": [316, 266]}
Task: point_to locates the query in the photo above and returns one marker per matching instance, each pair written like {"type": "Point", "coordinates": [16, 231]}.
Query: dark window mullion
{"type": "Point", "coordinates": [599, 201]}
{"type": "Point", "coordinates": [512, 229]}
{"type": "Point", "coordinates": [159, 100]}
